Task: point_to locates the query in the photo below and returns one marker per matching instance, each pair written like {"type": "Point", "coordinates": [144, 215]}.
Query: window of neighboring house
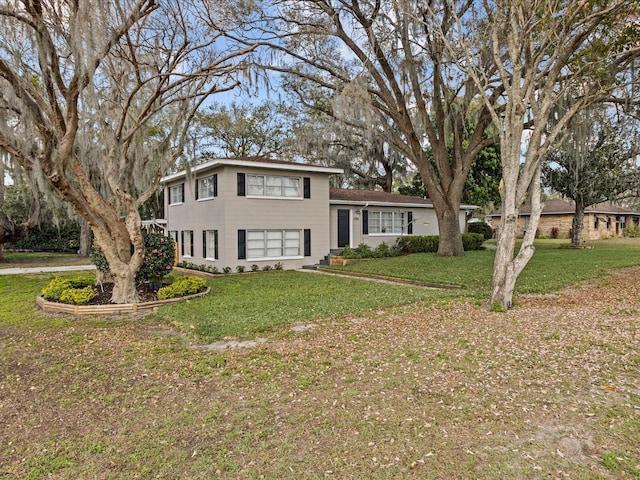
{"type": "Point", "coordinates": [595, 222]}
{"type": "Point", "coordinates": [272, 244]}
{"type": "Point", "coordinates": [608, 223]}
{"type": "Point", "coordinates": [210, 244]}
{"type": "Point", "coordinates": [386, 222]}
{"type": "Point", "coordinates": [187, 243]}
{"type": "Point", "coordinates": [623, 222]}
{"type": "Point", "coordinates": [273, 186]}
{"type": "Point", "coordinates": [176, 194]}
{"type": "Point", "coordinates": [173, 234]}
{"type": "Point", "coordinates": [207, 187]}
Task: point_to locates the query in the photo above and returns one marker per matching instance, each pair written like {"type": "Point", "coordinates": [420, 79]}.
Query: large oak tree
{"type": "Point", "coordinates": [96, 96]}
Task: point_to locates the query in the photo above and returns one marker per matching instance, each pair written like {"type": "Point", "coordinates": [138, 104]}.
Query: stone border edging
{"type": "Point", "coordinates": [364, 276]}
{"type": "Point", "coordinates": [110, 309]}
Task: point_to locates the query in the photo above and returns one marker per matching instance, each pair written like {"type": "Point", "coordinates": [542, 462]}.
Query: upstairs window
{"type": "Point", "coordinates": [176, 194]}
{"type": "Point", "coordinates": [273, 186]}
{"type": "Point", "coordinates": [207, 187]}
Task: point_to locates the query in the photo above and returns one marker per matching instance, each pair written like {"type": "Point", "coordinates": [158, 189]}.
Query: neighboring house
{"type": "Point", "coordinates": [255, 211]}
{"type": "Point", "coordinates": [600, 221]}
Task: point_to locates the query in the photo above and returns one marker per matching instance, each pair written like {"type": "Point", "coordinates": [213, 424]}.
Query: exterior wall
{"type": "Point", "coordinates": [564, 223]}
{"type": "Point", "coordinates": [229, 213]}
{"type": "Point", "coordinates": [424, 223]}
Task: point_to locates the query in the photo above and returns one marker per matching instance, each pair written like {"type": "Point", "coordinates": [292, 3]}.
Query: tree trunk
{"type": "Point", "coordinates": [507, 268]}
{"type": "Point", "coordinates": [578, 223]}
{"type": "Point", "coordinates": [85, 239]}
{"type": "Point", "coordinates": [1, 252]}
{"type": "Point", "coordinates": [450, 236]}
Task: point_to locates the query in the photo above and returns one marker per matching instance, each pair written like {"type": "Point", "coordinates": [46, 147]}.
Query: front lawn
{"type": "Point", "coordinates": [248, 304]}
{"type": "Point", "coordinates": [552, 267]}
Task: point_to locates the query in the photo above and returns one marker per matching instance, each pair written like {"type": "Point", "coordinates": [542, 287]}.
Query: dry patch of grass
{"type": "Point", "coordinates": [550, 389]}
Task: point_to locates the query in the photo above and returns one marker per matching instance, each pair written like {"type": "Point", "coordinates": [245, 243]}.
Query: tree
{"type": "Point", "coordinates": [553, 60]}
{"type": "Point", "coordinates": [482, 185]}
{"type": "Point", "coordinates": [244, 130]}
{"type": "Point", "coordinates": [96, 97]}
{"type": "Point", "coordinates": [391, 57]}
{"type": "Point", "coordinates": [594, 165]}
{"type": "Point", "coordinates": [15, 222]}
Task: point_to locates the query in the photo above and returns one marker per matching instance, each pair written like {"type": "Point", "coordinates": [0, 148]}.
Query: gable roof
{"type": "Point", "coordinates": [348, 196]}
{"type": "Point", "coordinates": [559, 206]}
{"type": "Point", "coordinates": [256, 162]}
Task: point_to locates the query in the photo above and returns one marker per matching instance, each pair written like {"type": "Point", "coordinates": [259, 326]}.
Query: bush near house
{"type": "Point", "coordinates": [365, 251]}
{"type": "Point", "coordinates": [481, 227]}
{"type": "Point", "coordinates": [430, 243]}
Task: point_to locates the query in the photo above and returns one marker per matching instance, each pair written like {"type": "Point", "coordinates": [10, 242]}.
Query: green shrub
{"type": "Point", "coordinates": [418, 244]}
{"type": "Point", "coordinates": [182, 286]}
{"type": "Point", "coordinates": [267, 268]}
{"type": "Point", "coordinates": [481, 227]}
{"type": "Point", "coordinates": [158, 258]}
{"type": "Point", "coordinates": [472, 241]}
{"type": "Point", "coordinates": [240, 269]}
{"type": "Point", "coordinates": [632, 231]}
{"type": "Point", "coordinates": [278, 266]}
{"type": "Point", "coordinates": [78, 296]}
{"type": "Point", "coordinates": [385, 250]}
{"type": "Point", "coordinates": [361, 251]}
{"type": "Point", "coordinates": [430, 243]}
{"type": "Point", "coordinates": [226, 270]}
{"type": "Point", "coordinates": [255, 268]}
{"type": "Point", "coordinates": [57, 286]}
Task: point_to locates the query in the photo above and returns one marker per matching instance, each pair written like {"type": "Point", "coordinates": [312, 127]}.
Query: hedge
{"type": "Point", "coordinates": [430, 243]}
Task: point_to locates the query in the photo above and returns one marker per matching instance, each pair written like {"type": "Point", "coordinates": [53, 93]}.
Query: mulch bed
{"type": "Point", "coordinates": [103, 294]}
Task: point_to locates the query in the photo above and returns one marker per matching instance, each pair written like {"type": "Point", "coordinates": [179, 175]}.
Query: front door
{"type": "Point", "coordinates": [344, 229]}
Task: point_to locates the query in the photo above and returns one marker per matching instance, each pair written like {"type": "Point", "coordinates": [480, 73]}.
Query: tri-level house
{"type": "Point", "coordinates": [256, 211]}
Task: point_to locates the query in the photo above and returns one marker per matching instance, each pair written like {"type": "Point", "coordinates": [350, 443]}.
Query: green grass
{"type": "Point", "coordinates": [39, 259]}
{"type": "Point", "coordinates": [245, 305]}
{"type": "Point", "coordinates": [551, 268]}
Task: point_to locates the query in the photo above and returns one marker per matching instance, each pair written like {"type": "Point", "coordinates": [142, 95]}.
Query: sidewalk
{"type": "Point", "coordinates": [45, 269]}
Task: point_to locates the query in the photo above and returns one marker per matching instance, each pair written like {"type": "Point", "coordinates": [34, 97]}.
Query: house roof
{"type": "Point", "coordinates": [348, 196]}
{"type": "Point", "coordinates": [259, 162]}
{"type": "Point", "coordinates": [559, 206]}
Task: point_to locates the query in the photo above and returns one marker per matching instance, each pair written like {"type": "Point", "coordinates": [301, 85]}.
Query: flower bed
{"type": "Point", "coordinates": [110, 308]}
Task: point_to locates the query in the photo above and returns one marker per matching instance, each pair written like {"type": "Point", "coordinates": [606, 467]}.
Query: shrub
{"type": "Point", "coordinates": [158, 258]}
{"type": "Point", "coordinates": [58, 285]}
{"type": "Point", "coordinates": [182, 286]}
{"type": "Point", "coordinates": [481, 227]}
{"type": "Point", "coordinates": [633, 231]}
{"type": "Point", "coordinates": [255, 268]}
{"type": "Point", "coordinates": [278, 266]}
{"type": "Point", "coordinates": [78, 296]}
{"type": "Point", "coordinates": [430, 243]}
{"type": "Point", "coordinates": [472, 241]}
{"type": "Point", "coordinates": [418, 244]}
{"type": "Point", "coordinates": [384, 250]}
{"type": "Point", "coordinates": [361, 251]}
{"type": "Point", "coordinates": [554, 232]}
{"type": "Point", "coordinates": [267, 268]}
{"type": "Point", "coordinates": [240, 269]}
{"type": "Point", "coordinates": [226, 270]}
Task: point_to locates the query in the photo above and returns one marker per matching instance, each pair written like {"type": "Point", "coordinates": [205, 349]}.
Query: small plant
{"type": "Point", "coordinates": [267, 268]}
{"type": "Point", "coordinates": [182, 286]}
{"type": "Point", "coordinates": [255, 268]}
{"type": "Point", "coordinates": [78, 296]}
{"type": "Point", "coordinates": [213, 269]}
{"type": "Point", "coordinates": [226, 270]}
{"type": "Point", "coordinates": [554, 232]}
{"type": "Point", "coordinates": [58, 285]}
{"type": "Point", "coordinates": [240, 269]}
{"type": "Point", "coordinates": [278, 266]}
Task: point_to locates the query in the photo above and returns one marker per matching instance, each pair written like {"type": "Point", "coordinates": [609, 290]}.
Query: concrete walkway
{"type": "Point", "coordinates": [45, 269]}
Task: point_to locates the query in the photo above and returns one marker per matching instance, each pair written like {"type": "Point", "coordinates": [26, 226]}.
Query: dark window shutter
{"type": "Point", "coordinates": [365, 222]}
{"type": "Point", "coordinates": [307, 187]}
{"type": "Point", "coordinates": [191, 235]}
{"type": "Point", "coordinates": [182, 242]}
{"type": "Point", "coordinates": [241, 185]}
{"type": "Point", "coordinates": [215, 244]}
{"type": "Point", "coordinates": [197, 188]}
{"type": "Point", "coordinates": [242, 244]}
{"type": "Point", "coordinates": [410, 223]}
{"type": "Point", "coordinates": [183, 193]}
{"type": "Point", "coordinates": [215, 185]}
{"type": "Point", "coordinates": [307, 242]}
{"type": "Point", "coordinates": [204, 244]}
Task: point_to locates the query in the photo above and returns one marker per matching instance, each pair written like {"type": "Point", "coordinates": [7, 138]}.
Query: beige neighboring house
{"type": "Point", "coordinates": [256, 211]}
{"type": "Point", "coordinates": [600, 221]}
